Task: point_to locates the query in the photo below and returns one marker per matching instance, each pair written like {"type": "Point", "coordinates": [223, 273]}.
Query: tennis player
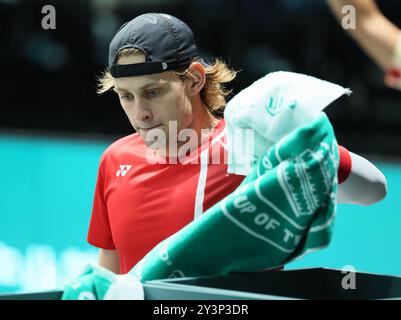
{"type": "Point", "coordinates": [148, 188]}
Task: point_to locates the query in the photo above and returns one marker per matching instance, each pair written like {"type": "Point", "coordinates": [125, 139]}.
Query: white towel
{"type": "Point", "coordinates": [269, 109]}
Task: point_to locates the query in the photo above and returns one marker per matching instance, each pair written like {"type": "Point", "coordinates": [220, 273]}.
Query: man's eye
{"type": "Point", "coordinates": [126, 97]}
{"type": "Point", "coordinates": [152, 93]}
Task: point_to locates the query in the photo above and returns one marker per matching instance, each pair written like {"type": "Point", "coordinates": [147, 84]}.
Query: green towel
{"type": "Point", "coordinates": [284, 208]}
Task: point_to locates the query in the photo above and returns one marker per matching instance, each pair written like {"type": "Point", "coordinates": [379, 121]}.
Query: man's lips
{"type": "Point", "coordinates": [150, 128]}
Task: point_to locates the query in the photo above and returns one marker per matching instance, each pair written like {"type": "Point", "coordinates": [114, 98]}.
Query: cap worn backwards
{"type": "Point", "coordinates": [167, 43]}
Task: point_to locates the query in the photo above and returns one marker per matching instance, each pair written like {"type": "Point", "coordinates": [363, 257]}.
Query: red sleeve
{"type": "Point", "coordinates": [99, 233]}
{"type": "Point", "coordinates": [345, 167]}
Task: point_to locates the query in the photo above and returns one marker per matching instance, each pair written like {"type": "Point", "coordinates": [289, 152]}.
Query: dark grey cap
{"type": "Point", "coordinates": [167, 43]}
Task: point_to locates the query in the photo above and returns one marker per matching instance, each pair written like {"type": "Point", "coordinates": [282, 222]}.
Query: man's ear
{"type": "Point", "coordinates": [196, 77]}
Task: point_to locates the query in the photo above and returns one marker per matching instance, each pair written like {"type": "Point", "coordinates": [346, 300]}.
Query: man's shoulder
{"type": "Point", "coordinates": [129, 140]}
{"type": "Point", "coordinates": [124, 145]}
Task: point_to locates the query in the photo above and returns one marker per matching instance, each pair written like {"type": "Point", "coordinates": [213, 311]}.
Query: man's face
{"type": "Point", "coordinates": [152, 101]}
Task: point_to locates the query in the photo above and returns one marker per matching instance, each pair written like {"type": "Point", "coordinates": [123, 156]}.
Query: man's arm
{"type": "Point", "coordinates": [109, 259]}
{"type": "Point", "coordinates": [364, 184]}
{"type": "Point", "coordinates": [374, 32]}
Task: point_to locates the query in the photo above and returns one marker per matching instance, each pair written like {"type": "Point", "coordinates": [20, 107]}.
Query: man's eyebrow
{"type": "Point", "coordinates": [151, 85]}
{"type": "Point", "coordinates": [144, 87]}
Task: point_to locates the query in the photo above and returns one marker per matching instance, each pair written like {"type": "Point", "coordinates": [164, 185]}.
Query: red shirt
{"type": "Point", "coordinates": [137, 204]}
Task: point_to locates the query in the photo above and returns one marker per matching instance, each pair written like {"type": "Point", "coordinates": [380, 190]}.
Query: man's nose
{"type": "Point", "coordinates": [141, 112]}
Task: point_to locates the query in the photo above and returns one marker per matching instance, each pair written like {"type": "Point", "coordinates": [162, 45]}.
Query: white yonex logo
{"type": "Point", "coordinates": [123, 170]}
